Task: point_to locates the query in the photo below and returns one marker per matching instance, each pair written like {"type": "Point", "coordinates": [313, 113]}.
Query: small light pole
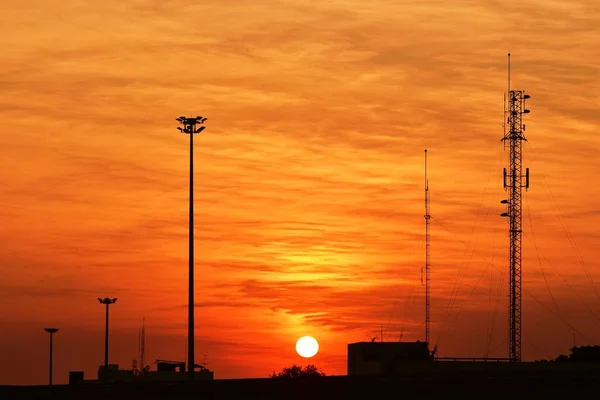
{"type": "Point", "coordinates": [51, 331]}
{"type": "Point", "coordinates": [189, 127]}
{"type": "Point", "coordinates": [108, 302]}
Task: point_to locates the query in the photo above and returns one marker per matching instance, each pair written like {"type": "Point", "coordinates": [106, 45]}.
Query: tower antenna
{"type": "Point", "coordinates": [508, 89]}
{"type": "Point", "coordinates": [427, 254]}
{"type": "Point", "coordinates": [142, 344]}
{"type": "Point", "coordinates": [513, 183]}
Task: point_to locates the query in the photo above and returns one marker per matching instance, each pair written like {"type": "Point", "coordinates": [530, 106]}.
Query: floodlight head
{"type": "Point", "coordinates": [189, 124]}
{"type": "Point", "coordinates": [504, 201]}
{"type": "Point", "coordinates": [526, 96]}
{"type": "Point", "coordinates": [504, 215]}
{"type": "Point", "coordinates": [51, 330]}
{"type": "Point", "coordinates": [100, 300]}
{"type": "Point", "coordinates": [526, 111]}
{"type": "Point", "coordinates": [114, 300]}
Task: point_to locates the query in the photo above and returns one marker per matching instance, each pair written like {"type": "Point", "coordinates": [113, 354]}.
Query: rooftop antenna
{"type": "Point", "coordinates": [513, 183]}
{"type": "Point", "coordinates": [427, 255]}
{"type": "Point", "coordinates": [142, 344]}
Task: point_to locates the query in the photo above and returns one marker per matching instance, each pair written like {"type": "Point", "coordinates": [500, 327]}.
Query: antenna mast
{"type": "Point", "coordinates": [142, 339]}
{"type": "Point", "coordinates": [427, 254]}
{"type": "Point", "coordinates": [513, 183]}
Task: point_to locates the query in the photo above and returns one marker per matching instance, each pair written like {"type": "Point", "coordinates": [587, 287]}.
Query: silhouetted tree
{"type": "Point", "coordinates": [295, 371]}
{"type": "Point", "coordinates": [562, 358]}
{"type": "Point", "coordinates": [587, 354]}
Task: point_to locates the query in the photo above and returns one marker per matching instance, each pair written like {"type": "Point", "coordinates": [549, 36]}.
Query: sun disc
{"type": "Point", "coordinates": [307, 346]}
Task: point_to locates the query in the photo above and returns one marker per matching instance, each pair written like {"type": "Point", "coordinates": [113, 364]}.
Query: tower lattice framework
{"type": "Point", "coordinates": [514, 182]}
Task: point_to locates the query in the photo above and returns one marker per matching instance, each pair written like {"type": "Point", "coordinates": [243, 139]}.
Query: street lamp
{"type": "Point", "coordinates": [189, 127]}
{"type": "Point", "coordinates": [51, 331]}
{"type": "Point", "coordinates": [108, 302]}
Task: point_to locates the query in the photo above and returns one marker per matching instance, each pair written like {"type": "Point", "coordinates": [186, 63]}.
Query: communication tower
{"type": "Point", "coordinates": [514, 181]}
{"type": "Point", "coordinates": [427, 255]}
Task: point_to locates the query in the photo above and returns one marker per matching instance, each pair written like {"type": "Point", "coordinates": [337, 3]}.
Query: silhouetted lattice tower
{"type": "Point", "coordinates": [513, 138]}
{"type": "Point", "coordinates": [427, 257]}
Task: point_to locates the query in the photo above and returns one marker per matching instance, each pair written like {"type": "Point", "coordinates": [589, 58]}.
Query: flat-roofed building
{"type": "Point", "coordinates": [368, 358]}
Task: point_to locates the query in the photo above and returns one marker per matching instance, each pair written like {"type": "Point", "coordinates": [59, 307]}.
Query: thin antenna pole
{"type": "Point", "coordinates": [143, 343]}
{"type": "Point", "coordinates": [508, 73]}
{"type": "Point", "coordinates": [427, 255]}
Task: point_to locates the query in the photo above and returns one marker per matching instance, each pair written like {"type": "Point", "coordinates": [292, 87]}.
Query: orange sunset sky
{"type": "Point", "coordinates": [309, 178]}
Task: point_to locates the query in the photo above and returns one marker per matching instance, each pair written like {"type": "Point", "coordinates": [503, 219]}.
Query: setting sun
{"type": "Point", "coordinates": [307, 346]}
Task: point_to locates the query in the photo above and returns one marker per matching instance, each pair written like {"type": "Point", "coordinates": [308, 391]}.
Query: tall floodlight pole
{"type": "Point", "coordinates": [514, 127]}
{"type": "Point", "coordinates": [427, 255]}
{"type": "Point", "coordinates": [108, 302]}
{"type": "Point", "coordinates": [190, 127]}
{"type": "Point", "coordinates": [51, 331]}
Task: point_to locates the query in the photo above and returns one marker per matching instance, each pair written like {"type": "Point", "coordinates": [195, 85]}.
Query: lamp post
{"type": "Point", "coordinates": [51, 331]}
{"type": "Point", "coordinates": [108, 302]}
{"type": "Point", "coordinates": [189, 127]}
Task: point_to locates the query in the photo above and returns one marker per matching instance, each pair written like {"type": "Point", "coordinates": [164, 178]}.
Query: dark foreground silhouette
{"type": "Point", "coordinates": [472, 385]}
